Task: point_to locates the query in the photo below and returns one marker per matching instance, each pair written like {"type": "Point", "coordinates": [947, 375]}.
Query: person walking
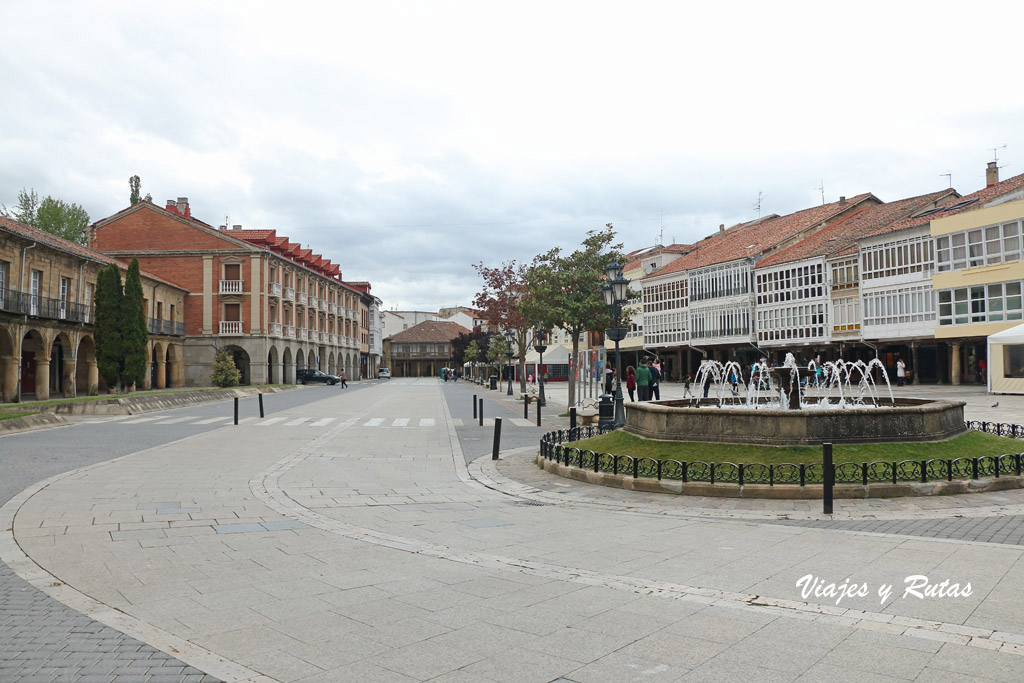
{"type": "Point", "coordinates": [655, 386]}
{"type": "Point", "coordinates": [344, 382]}
{"type": "Point", "coordinates": [901, 372]}
{"type": "Point", "coordinates": [631, 382]}
{"type": "Point", "coordinates": [643, 381]}
{"type": "Point", "coordinates": [686, 387]}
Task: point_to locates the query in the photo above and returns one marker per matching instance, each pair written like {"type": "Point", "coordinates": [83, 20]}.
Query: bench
{"type": "Point", "coordinates": [587, 416]}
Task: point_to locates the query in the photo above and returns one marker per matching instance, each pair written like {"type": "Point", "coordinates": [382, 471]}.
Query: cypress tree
{"type": "Point", "coordinates": [134, 332]}
{"type": "Point", "coordinates": [107, 327]}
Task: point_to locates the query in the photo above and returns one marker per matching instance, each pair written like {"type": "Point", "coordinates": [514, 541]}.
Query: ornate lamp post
{"type": "Point", "coordinates": [614, 290]}
{"type": "Point", "coordinates": [540, 336]}
{"type": "Point", "coordinates": [510, 337]}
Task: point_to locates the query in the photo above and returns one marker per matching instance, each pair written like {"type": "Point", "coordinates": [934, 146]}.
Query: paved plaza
{"type": "Point", "coordinates": [368, 536]}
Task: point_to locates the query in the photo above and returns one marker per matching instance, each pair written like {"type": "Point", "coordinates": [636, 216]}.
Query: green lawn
{"type": "Point", "coordinates": [11, 416]}
{"type": "Point", "coordinates": [970, 445]}
{"type": "Point", "coordinates": [159, 392]}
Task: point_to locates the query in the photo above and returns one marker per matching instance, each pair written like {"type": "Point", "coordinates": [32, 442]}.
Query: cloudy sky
{"type": "Point", "coordinates": [409, 140]}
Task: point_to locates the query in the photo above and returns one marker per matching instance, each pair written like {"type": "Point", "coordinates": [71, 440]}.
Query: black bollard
{"type": "Point", "coordinates": [474, 406]}
{"type": "Point", "coordinates": [828, 477]}
{"type": "Point", "coordinates": [497, 438]}
{"type": "Point", "coordinates": [236, 410]}
{"type": "Point", "coordinates": [481, 412]}
{"type": "Point", "coordinates": [539, 404]}
{"type": "Point", "coordinates": [572, 417]}
{"type": "Point", "coordinates": [261, 405]}
{"type": "Point", "coordinates": [526, 407]}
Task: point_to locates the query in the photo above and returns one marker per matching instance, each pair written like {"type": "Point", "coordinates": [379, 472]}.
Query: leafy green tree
{"type": "Point", "coordinates": [136, 186]}
{"type": "Point", "coordinates": [55, 216]}
{"type": "Point", "coordinates": [225, 373]}
{"type": "Point", "coordinates": [565, 289]}
{"type": "Point", "coordinates": [107, 326]}
{"type": "Point", "coordinates": [497, 348]}
{"type": "Point", "coordinates": [134, 333]}
{"type": "Point", "coordinates": [471, 354]}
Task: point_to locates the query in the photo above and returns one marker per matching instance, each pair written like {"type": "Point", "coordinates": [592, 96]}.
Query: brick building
{"type": "Point", "coordinates": [274, 305]}
{"type": "Point", "coordinates": [47, 348]}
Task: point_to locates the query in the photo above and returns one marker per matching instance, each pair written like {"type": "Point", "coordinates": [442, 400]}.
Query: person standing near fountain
{"type": "Point", "coordinates": [655, 382]}
{"type": "Point", "coordinates": [901, 372]}
{"type": "Point", "coordinates": [643, 381]}
{"type": "Point", "coordinates": [631, 382]}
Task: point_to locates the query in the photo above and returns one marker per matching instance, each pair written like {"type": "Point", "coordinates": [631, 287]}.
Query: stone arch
{"type": "Point", "coordinates": [8, 366]}
{"type": "Point", "coordinates": [241, 358]}
{"type": "Point", "coordinates": [86, 372]}
{"type": "Point", "coordinates": [300, 360]}
{"type": "Point", "coordinates": [35, 365]}
{"type": "Point", "coordinates": [174, 371]}
{"type": "Point", "coordinates": [272, 364]}
{"type": "Point", "coordinates": [331, 370]}
{"type": "Point", "coordinates": [157, 366]}
{"type": "Point", "coordinates": [288, 374]}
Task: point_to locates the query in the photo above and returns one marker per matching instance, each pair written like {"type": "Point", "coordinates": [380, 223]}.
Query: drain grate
{"type": "Point", "coordinates": [532, 503]}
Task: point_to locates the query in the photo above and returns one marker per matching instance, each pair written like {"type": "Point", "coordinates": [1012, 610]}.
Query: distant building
{"type": "Point", "coordinates": [423, 349]}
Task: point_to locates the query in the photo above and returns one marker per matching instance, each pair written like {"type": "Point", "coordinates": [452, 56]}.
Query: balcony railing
{"type": "Point", "coordinates": [323, 305]}
{"type": "Point", "coordinates": [333, 339]}
{"type": "Point", "coordinates": [24, 303]}
{"type": "Point", "coordinates": [275, 289]}
{"type": "Point", "coordinates": [289, 331]}
{"type": "Point", "coordinates": [289, 294]}
{"type": "Point", "coordinates": [231, 286]}
{"type": "Point", "coordinates": [275, 329]}
{"type": "Point", "coordinates": [332, 307]}
{"type": "Point", "coordinates": [231, 327]}
{"type": "Point", "coordinates": [313, 301]}
{"type": "Point", "coordinates": [300, 297]}
{"type": "Point", "coordinates": [173, 328]}
{"type": "Point", "coordinates": [300, 333]}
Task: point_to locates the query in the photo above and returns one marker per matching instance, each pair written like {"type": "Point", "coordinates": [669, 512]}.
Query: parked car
{"type": "Point", "coordinates": [383, 373]}
{"type": "Point", "coordinates": [309, 376]}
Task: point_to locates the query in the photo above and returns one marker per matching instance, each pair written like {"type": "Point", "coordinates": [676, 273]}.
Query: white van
{"type": "Point", "coordinates": [383, 373]}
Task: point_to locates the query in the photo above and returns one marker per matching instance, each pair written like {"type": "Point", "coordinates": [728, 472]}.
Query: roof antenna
{"type": "Point", "coordinates": [821, 188]}
{"type": "Point", "coordinates": [948, 176]}
{"type": "Point", "coordinates": [757, 204]}
{"type": "Point", "coordinates": [661, 235]}
{"type": "Point", "coordinates": [227, 222]}
{"type": "Point", "coordinates": [995, 152]}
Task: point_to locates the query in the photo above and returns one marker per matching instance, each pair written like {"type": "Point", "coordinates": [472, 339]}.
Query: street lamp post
{"type": "Point", "coordinates": [509, 337]}
{"type": "Point", "coordinates": [615, 289]}
{"type": "Point", "coordinates": [540, 346]}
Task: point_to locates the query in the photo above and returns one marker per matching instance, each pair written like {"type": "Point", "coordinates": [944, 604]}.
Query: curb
{"type": "Point", "coordinates": [30, 423]}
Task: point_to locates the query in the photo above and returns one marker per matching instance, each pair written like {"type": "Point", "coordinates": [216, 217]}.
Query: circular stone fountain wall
{"type": "Point", "coordinates": [908, 419]}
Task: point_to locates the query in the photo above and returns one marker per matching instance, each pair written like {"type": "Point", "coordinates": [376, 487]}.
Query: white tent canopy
{"type": "Point", "coordinates": [1004, 361]}
{"type": "Point", "coordinates": [1014, 335]}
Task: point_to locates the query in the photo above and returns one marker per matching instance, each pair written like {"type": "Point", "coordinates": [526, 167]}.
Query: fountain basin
{"type": "Point", "coordinates": [908, 419]}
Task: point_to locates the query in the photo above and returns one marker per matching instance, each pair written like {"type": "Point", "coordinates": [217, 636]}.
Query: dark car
{"type": "Point", "coordinates": [310, 376]}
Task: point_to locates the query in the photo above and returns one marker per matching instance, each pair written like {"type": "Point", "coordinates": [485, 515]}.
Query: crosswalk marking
{"type": "Point", "coordinates": [296, 421]}
{"type": "Point", "coordinates": [176, 420]}
{"type": "Point", "coordinates": [374, 422]}
{"type": "Point", "coordinates": [322, 422]}
{"type": "Point", "coordinates": [426, 422]}
{"type": "Point", "coordinates": [400, 422]}
{"type": "Point", "coordinates": [457, 421]}
{"type": "Point", "coordinates": [271, 420]}
{"type": "Point", "coordinates": [211, 420]}
{"type": "Point", "coordinates": [142, 419]}
{"type": "Point", "coordinates": [520, 422]}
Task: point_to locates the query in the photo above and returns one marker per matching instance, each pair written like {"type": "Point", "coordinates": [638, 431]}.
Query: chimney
{"type": "Point", "coordinates": [721, 227]}
{"type": "Point", "coordinates": [183, 207]}
{"type": "Point", "coordinates": [172, 206]}
{"type": "Point", "coordinates": [842, 200]}
{"type": "Point", "coordinates": [992, 174]}
{"type": "Point", "coordinates": [237, 226]}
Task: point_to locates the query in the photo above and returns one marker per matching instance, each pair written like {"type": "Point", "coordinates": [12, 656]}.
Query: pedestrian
{"type": "Point", "coordinates": [608, 379]}
{"type": "Point", "coordinates": [707, 382]}
{"type": "Point", "coordinates": [686, 387]}
{"type": "Point", "coordinates": [631, 382]}
{"type": "Point", "coordinates": [643, 381]}
{"type": "Point", "coordinates": [901, 372]}
{"type": "Point", "coordinates": [344, 382]}
{"type": "Point", "coordinates": [982, 371]}
{"type": "Point", "coordinates": [734, 381]}
{"type": "Point", "coordinates": [655, 386]}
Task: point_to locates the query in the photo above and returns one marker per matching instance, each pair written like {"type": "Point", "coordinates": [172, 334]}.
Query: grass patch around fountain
{"type": "Point", "coordinates": [973, 444]}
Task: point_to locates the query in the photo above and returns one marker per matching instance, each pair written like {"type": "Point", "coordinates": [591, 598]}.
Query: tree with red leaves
{"type": "Point", "coordinates": [501, 301]}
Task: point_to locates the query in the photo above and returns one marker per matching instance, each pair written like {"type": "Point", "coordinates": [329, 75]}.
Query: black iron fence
{"type": "Point", "coordinates": [167, 327]}
{"type": "Point", "coordinates": [555, 446]}
{"type": "Point", "coordinates": [26, 303]}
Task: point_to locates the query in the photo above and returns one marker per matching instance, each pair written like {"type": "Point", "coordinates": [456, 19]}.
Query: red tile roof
{"type": "Point", "coordinates": [970, 202]}
{"type": "Point", "coordinates": [762, 236]}
{"type": "Point", "coordinates": [61, 244]}
{"type": "Point", "coordinates": [430, 331]}
{"type": "Point", "coordinates": [843, 234]}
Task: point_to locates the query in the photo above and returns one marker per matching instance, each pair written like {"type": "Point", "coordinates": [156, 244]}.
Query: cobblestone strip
{"type": "Point", "coordinates": [266, 487]}
{"type": "Point", "coordinates": [116, 636]}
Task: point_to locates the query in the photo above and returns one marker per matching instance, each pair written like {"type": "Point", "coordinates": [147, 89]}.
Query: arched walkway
{"type": "Point", "coordinates": [288, 376]}
{"type": "Point", "coordinates": [273, 371]}
{"type": "Point", "coordinates": [331, 370]}
{"type": "Point", "coordinates": [35, 366]}
{"type": "Point", "coordinates": [86, 373]}
{"type": "Point", "coordinates": [158, 367]}
{"type": "Point", "coordinates": [8, 367]}
{"type": "Point", "coordinates": [241, 358]}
